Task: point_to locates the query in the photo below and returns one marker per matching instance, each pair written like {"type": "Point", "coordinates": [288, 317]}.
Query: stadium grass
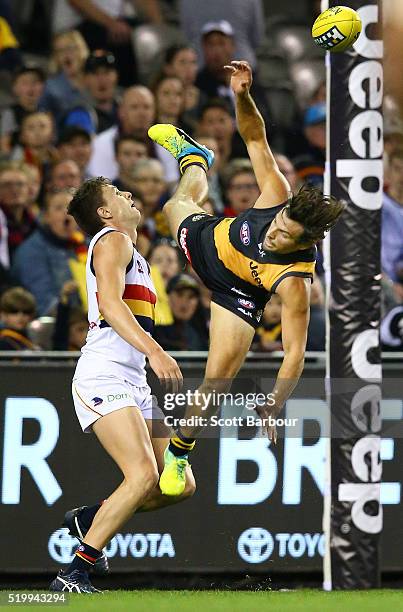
{"type": "Point", "coordinates": [235, 601]}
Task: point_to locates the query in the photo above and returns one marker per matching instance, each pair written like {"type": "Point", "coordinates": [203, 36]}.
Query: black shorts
{"type": "Point", "coordinates": [196, 239]}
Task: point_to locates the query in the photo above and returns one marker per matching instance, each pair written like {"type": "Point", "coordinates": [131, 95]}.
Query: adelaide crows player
{"type": "Point", "coordinates": [268, 249]}
{"type": "Point", "coordinates": [110, 391]}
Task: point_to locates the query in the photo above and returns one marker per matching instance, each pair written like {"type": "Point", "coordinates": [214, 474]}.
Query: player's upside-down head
{"type": "Point", "coordinates": [98, 203]}
{"type": "Point", "coordinates": [305, 220]}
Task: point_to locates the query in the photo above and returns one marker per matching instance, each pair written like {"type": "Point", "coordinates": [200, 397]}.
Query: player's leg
{"type": "Point", "coordinates": [156, 499]}
{"type": "Point", "coordinates": [223, 364]}
{"type": "Point", "coordinates": [194, 160]}
{"type": "Point", "coordinates": [125, 437]}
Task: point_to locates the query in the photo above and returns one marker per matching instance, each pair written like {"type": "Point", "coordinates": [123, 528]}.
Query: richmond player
{"type": "Point", "coordinates": [268, 249]}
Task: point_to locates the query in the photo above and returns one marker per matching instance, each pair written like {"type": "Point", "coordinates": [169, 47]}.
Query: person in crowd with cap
{"type": "Point", "coordinates": [17, 310]}
{"type": "Point", "coordinates": [310, 165]}
{"type": "Point", "coordinates": [184, 299]}
{"type": "Point", "coordinates": [101, 80]}
{"type": "Point", "coordinates": [218, 46]}
{"type": "Point", "coordinates": [136, 113]}
{"type": "Point", "coordinates": [246, 18]}
{"type": "Point", "coordinates": [28, 84]}
{"type": "Point", "coordinates": [75, 143]}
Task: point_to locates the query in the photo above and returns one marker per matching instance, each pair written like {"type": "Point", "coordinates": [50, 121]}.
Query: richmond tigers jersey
{"type": "Point", "coordinates": [232, 249]}
{"type": "Point", "coordinates": [104, 350]}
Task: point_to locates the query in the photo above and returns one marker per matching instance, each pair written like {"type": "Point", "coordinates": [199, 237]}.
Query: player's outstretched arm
{"type": "Point", "coordinates": [294, 292]}
{"type": "Point", "coordinates": [273, 185]}
{"type": "Point", "coordinates": [112, 254]}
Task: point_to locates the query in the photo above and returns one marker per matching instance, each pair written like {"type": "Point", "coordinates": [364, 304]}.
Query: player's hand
{"type": "Point", "coordinates": [241, 76]}
{"type": "Point", "coordinates": [166, 369]}
{"type": "Point", "coordinates": [119, 32]}
{"type": "Point", "coordinates": [264, 413]}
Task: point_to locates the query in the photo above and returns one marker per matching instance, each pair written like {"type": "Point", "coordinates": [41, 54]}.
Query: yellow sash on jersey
{"type": "Point", "coordinates": [263, 275]}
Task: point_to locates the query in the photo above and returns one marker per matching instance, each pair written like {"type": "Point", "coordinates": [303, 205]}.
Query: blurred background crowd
{"type": "Point", "coordinates": [81, 83]}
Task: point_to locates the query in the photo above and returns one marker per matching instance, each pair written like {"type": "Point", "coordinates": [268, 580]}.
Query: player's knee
{"type": "Point", "coordinates": [144, 478]}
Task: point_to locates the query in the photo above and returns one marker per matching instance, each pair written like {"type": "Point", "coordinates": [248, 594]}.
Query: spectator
{"type": "Point", "coordinates": [36, 141]}
{"type": "Point", "coordinates": [213, 79]}
{"type": "Point", "coordinates": [169, 95]}
{"type": "Point", "coordinates": [214, 185]}
{"type": "Point", "coordinates": [71, 325]}
{"type": "Point", "coordinates": [34, 187]}
{"type": "Point", "coordinates": [246, 17]}
{"type": "Point", "coordinates": [64, 91]}
{"type": "Point", "coordinates": [51, 248]}
{"type": "Point", "coordinates": [17, 310]}
{"type": "Point", "coordinates": [128, 151]}
{"type": "Point", "coordinates": [181, 61]}
{"type": "Point", "coordinates": [105, 25]}
{"type": "Point", "coordinates": [184, 299]}
{"type": "Point", "coordinates": [64, 174]}
{"type": "Point", "coordinates": [240, 187]}
{"type": "Point", "coordinates": [165, 257]}
{"type": "Point", "coordinates": [101, 79]}
{"type": "Point", "coordinates": [216, 121]}
{"type": "Point", "coordinates": [310, 165]}
{"type": "Point", "coordinates": [14, 202]}
{"type": "Point", "coordinates": [287, 168]}
{"type": "Point", "coordinates": [76, 144]}
{"type": "Point", "coordinates": [28, 87]}
{"type": "Point", "coordinates": [148, 175]}
{"type": "Point", "coordinates": [392, 224]}
{"type": "Point", "coordinates": [136, 114]}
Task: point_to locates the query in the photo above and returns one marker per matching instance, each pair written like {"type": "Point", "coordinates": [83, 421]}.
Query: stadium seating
{"type": "Point", "coordinates": [306, 76]}
{"type": "Point", "coordinates": [149, 43]}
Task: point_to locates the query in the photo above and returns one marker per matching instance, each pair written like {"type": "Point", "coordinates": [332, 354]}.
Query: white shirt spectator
{"type": "Point", "coordinates": [103, 160]}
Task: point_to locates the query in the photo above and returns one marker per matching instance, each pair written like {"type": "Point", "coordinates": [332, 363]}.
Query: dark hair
{"type": "Point", "coordinates": [316, 212]}
{"type": "Point", "coordinates": [173, 50]}
{"type": "Point", "coordinates": [71, 132]}
{"type": "Point", "coordinates": [87, 199]}
{"type": "Point", "coordinates": [30, 69]}
{"type": "Point", "coordinates": [126, 138]}
{"type": "Point", "coordinates": [216, 103]}
{"type": "Point", "coordinates": [17, 298]}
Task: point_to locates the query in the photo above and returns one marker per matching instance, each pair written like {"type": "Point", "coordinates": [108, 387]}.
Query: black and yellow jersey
{"type": "Point", "coordinates": [228, 256]}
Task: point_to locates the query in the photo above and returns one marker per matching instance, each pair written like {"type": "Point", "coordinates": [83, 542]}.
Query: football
{"type": "Point", "coordinates": [337, 28]}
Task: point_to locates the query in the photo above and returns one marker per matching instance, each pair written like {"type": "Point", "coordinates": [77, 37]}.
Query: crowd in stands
{"type": "Point", "coordinates": [86, 113]}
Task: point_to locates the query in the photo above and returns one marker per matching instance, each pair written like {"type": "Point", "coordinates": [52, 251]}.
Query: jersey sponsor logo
{"type": "Point", "coordinates": [97, 401]}
{"type": "Point", "coordinates": [239, 292]}
{"type": "Point", "coordinates": [253, 267]}
{"type": "Point", "coordinates": [92, 325]}
{"type": "Point", "coordinates": [198, 217]}
{"type": "Point", "coordinates": [245, 312]}
{"type": "Point", "coordinates": [244, 233]}
{"type": "Point", "coordinates": [112, 397]}
{"type": "Point", "coordinates": [246, 303]}
{"type": "Point", "coordinates": [139, 267]}
{"type": "Point", "coordinates": [183, 242]}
